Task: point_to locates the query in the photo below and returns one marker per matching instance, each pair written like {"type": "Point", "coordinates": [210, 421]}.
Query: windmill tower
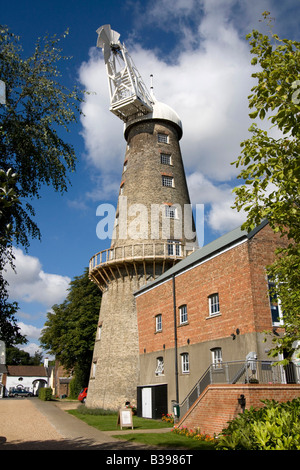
{"type": "Point", "coordinates": [153, 226]}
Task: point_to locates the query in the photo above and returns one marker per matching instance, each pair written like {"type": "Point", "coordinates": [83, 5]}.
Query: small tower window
{"type": "Point", "coordinates": [163, 138]}
{"type": "Point", "coordinates": [94, 367]}
{"type": "Point", "coordinates": [174, 248]}
{"type": "Point", "coordinates": [165, 159]}
{"type": "Point", "coordinates": [171, 212]}
{"type": "Point", "coordinates": [167, 181]}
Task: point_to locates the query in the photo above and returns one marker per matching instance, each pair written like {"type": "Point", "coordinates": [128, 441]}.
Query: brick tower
{"type": "Point", "coordinates": [153, 226]}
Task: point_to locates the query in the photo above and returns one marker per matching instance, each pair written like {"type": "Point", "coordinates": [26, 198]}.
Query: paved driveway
{"type": "Point", "coordinates": [32, 424]}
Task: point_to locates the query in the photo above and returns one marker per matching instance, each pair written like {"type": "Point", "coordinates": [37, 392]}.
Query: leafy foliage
{"type": "Point", "coordinates": [45, 393]}
{"type": "Point", "coordinates": [15, 357]}
{"type": "Point", "coordinates": [276, 426]}
{"type": "Point", "coordinates": [271, 168]}
{"type": "Point", "coordinates": [37, 107]}
{"type": "Point", "coordinates": [9, 331]}
{"type": "Point", "coordinates": [69, 332]}
{"type": "Point", "coordinates": [32, 150]}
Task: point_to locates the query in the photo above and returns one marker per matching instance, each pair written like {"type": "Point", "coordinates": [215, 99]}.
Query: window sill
{"type": "Point", "coordinates": [214, 316]}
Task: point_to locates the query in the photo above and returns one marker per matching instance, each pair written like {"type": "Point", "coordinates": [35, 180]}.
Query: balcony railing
{"type": "Point", "coordinates": [138, 251]}
{"type": "Point", "coordinates": [254, 371]}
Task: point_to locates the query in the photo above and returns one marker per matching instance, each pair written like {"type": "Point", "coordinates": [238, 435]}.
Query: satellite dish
{"type": "Point", "coordinates": [107, 38]}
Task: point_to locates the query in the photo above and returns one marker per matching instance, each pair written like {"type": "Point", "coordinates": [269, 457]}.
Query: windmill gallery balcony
{"type": "Point", "coordinates": [115, 262]}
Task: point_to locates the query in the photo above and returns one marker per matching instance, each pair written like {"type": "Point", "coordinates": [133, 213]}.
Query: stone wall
{"type": "Point", "coordinates": [115, 367]}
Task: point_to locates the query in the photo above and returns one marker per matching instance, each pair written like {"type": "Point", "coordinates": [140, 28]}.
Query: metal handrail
{"type": "Point", "coordinates": [249, 371]}
{"type": "Point", "coordinates": [137, 251]}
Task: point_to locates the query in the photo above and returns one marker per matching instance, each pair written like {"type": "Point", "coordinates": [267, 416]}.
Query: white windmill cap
{"type": "Point", "coordinates": [162, 112]}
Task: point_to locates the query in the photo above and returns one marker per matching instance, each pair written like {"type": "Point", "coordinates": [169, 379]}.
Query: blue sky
{"type": "Point", "coordinates": [197, 53]}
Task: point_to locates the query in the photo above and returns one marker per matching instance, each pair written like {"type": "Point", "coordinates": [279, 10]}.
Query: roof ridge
{"type": "Point", "coordinates": [219, 244]}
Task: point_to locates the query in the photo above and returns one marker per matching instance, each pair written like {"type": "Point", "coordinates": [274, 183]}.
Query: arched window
{"type": "Point", "coordinates": [216, 358]}
{"type": "Point", "coordinates": [160, 369]}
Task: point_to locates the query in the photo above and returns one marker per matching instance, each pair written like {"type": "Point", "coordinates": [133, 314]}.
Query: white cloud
{"type": "Point", "coordinates": [221, 217]}
{"type": "Point", "coordinates": [32, 348]}
{"type": "Point", "coordinates": [29, 330]}
{"type": "Point", "coordinates": [206, 81]}
{"type": "Point", "coordinates": [29, 283]}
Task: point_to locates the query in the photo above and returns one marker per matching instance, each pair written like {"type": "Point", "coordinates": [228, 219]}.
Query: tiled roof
{"type": "Point", "coordinates": [27, 371]}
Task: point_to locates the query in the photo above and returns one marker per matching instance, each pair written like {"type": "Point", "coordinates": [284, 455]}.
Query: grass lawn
{"type": "Point", "coordinates": [109, 422]}
{"type": "Point", "coordinates": [167, 440]}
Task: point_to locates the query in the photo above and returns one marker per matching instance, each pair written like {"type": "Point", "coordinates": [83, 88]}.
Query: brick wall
{"type": "Point", "coordinates": [227, 274]}
{"type": "Point", "coordinates": [261, 254]}
{"type": "Point", "coordinates": [238, 275]}
{"type": "Point", "coordinates": [219, 404]}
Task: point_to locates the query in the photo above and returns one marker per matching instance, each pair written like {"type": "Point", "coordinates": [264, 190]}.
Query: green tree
{"type": "Point", "coordinates": [9, 330]}
{"type": "Point", "coordinates": [16, 356]}
{"type": "Point", "coordinates": [69, 332]}
{"type": "Point", "coordinates": [38, 109]}
{"type": "Point", "coordinates": [271, 169]}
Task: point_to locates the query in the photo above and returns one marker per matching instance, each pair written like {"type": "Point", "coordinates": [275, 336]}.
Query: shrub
{"type": "Point", "coordinates": [45, 393]}
{"type": "Point", "coordinates": [168, 418]}
{"type": "Point", "coordinates": [276, 426]}
{"type": "Point", "coordinates": [193, 434]}
{"type": "Point", "coordinates": [74, 388]}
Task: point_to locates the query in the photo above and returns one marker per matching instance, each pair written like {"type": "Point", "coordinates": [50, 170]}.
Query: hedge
{"type": "Point", "coordinates": [45, 393]}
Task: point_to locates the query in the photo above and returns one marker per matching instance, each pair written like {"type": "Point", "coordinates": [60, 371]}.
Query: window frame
{"type": "Point", "coordinates": [160, 366]}
{"type": "Point", "coordinates": [176, 247]}
{"type": "Point", "coordinates": [171, 212]}
{"type": "Point", "coordinates": [183, 315]}
{"type": "Point", "coordinates": [166, 159]}
{"type": "Point", "coordinates": [185, 363]}
{"type": "Point", "coordinates": [212, 304]}
{"type": "Point", "coordinates": [168, 179]}
{"type": "Point", "coordinates": [275, 305]}
{"type": "Point", "coordinates": [217, 358]}
{"type": "Point", "coordinates": [158, 323]}
{"type": "Point", "coordinates": [162, 138]}
{"type": "Point", "coordinates": [93, 369]}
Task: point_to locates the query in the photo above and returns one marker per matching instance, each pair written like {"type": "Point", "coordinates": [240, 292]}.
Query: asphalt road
{"type": "Point", "coordinates": [33, 424]}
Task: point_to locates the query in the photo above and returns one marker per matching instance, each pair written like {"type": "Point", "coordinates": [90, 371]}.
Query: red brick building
{"type": "Point", "coordinates": [210, 309]}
